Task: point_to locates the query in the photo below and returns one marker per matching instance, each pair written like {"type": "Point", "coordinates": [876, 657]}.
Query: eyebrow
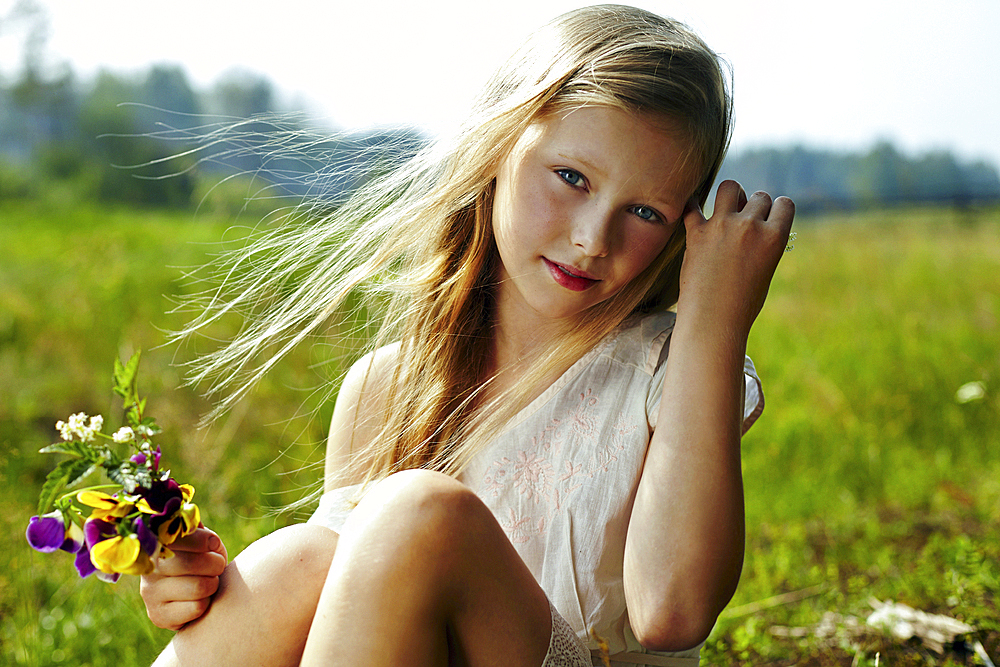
{"type": "Point", "coordinates": [584, 161]}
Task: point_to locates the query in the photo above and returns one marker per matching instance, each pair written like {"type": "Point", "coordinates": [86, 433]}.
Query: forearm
{"type": "Point", "coordinates": [684, 552]}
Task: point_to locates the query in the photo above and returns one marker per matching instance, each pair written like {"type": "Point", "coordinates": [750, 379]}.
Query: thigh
{"type": "Point", "coordinates": [265, 603]}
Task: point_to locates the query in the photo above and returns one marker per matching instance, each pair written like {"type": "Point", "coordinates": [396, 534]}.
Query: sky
{"type": "Point", "coordinates": [839, 75]}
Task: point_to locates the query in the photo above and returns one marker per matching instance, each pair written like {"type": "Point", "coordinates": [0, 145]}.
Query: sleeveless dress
{"type": "Point", "coordinates": [561, 479]}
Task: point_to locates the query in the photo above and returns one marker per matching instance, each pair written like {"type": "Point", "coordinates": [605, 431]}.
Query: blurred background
{"type": "Point", "coordinates": [873, 473]}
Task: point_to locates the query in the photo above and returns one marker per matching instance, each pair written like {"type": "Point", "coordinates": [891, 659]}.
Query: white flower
{"type": "Point", "coordinates": [64, 431]}
{"type": "Point", "coordinates": [124, 434]}
{"type": "Point", "coordinates": [77, 423]}
{"type": "Point", "coordinates": [78, 427]}
{"type": "Point", "coordinates": [971, 391]}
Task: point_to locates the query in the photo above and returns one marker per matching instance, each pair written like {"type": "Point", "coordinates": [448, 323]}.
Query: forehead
{"type": "Point", "coordinates": [652, 154]}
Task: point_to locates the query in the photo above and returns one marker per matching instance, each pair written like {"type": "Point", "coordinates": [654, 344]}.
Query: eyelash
{"type": "Point", "coordinates": [567, 174]}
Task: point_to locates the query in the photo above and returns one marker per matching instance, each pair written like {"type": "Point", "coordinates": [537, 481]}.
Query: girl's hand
{"type": "Point", "coordinates": [181, 588]}
{"type": "Point", "coordinates": [731, 257]}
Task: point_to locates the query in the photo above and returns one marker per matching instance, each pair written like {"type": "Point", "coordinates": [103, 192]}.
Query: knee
{"type": "Point", "coordinates": [301, 553]}
{"type": "Point", "coordinates": [423, 505]}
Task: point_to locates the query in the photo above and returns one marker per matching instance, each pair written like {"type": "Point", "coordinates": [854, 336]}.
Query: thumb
{"type": "Point", "coordinates": [693, 216]}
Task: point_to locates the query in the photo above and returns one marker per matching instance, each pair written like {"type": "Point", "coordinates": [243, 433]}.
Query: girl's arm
{"type": "Point", "coordinates": [684, 550]}
{"type": "Point", "coordinates": [357, 416]}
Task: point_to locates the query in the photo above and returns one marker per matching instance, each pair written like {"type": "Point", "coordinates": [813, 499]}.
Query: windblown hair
{"type": "Point", "coordinates": [417, 244]}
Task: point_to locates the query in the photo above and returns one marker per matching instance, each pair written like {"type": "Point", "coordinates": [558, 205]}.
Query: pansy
{"type": "Point", "coordinates": [50, 532]}
{"type": "Point", "coordinates": [172, 513]}
{"type": "Point", "coordinates": [112, 553]}
{"type": "Point", "coordinates": [105, 506]}
{"type": "Point", "coordinates": [121, 554]}
{"type": "Point", "coordinates": [95, 531]}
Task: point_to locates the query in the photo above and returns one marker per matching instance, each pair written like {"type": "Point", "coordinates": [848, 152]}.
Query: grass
{"type": "Point", "coordinates": [865, 478]}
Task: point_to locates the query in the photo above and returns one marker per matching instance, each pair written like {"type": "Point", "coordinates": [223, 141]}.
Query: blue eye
{"type": "Point", "coordinates": [646, 213]}
{"type": "Point", "coordinates": [570, 176]}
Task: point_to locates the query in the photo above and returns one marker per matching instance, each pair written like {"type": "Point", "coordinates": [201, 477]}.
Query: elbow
{"type": "Point", "coordinates": [674, 631]}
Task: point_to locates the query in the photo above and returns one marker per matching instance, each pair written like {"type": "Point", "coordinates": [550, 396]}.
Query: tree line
{"type": "Point", "coordinates": [881, 176]}
{"type": "Point", "coordinates": [152, 139]}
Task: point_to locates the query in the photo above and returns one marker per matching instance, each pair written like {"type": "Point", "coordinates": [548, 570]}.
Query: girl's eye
{"type": "Point", "coordinates": [570, 176]}
{"type": "Point", "coordinates": [646, 213]}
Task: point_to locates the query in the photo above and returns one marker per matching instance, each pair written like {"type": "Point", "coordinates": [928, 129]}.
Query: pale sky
{"type": "Point", "coordinates": [828, 74]}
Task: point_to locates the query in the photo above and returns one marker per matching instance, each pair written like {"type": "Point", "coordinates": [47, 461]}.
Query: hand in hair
{"type": "Point", "coordinates": [731, 257]}
{"type": "Point", "coordinates": [181, 588]}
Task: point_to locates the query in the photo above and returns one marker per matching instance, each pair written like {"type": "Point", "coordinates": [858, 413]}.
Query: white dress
{"type": "Point", "coordinates": [561, 480]}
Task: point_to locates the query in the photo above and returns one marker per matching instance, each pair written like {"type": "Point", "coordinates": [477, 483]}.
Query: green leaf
{"type": "Point", "coordinates": [148, 427]}
{"type": "Point", "coordinates": [79, 469]}
{"type": "Point", "coordinates": [77, 449]}
{"type": "Point", "coordinates": [54, 483]}
{"type": "Point", "coordinates": [124, 378]}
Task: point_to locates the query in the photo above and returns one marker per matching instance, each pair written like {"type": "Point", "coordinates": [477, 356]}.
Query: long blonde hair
{"type": "Point", "coordinates": [416, 246]}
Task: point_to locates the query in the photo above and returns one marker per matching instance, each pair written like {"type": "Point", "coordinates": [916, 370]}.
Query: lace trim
{"type": "Point", "coordinates": [565, 648]}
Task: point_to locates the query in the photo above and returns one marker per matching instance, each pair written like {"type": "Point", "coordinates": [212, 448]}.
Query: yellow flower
{"type": "Point", "coordinates": [172, 514]}
{"type": "Point", "coordinates": [121, 554]}
{"type": "Point", "coordinates": [106, 508]}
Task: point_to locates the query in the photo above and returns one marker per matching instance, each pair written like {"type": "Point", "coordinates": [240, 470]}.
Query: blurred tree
{"type": "Point", "coordinates": [166, 87]}
{"type": "Point", "coordinates": [133, 165]}
{"type": "Point", "coordinates": [243, 94]}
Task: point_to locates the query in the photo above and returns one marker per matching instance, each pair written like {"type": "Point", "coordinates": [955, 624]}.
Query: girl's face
{"type": "Point", "coordinates": [584, 203]}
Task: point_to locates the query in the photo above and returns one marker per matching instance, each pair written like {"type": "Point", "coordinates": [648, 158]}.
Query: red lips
{"type": "Point", "coordinates": [570, 277]}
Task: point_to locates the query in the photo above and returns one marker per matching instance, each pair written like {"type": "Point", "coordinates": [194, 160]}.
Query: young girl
{"type": "Point", "coordinates": [518, 472]}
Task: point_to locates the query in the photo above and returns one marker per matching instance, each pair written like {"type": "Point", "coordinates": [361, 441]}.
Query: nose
{"type": "Point", "coordinates": [593, 230]}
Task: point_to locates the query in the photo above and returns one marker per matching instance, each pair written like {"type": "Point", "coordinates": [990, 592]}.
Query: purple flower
{"type": "Point", "coordinates": [95, 531]}
{"type": "Point", "coordinates": [138, 459]}
{"type": "Point", "coordinates": [98, 530]}
{"type": "Point", "coordinates": [46, 533]}
{"type": "Point", "coordinates": [53, 531]}
{"type": "Point", "coordinates": [172, 514]}
{"type": "Point", "coordinates": [84, 566]}
{"type": "Point", "coordinates": [147, 538]}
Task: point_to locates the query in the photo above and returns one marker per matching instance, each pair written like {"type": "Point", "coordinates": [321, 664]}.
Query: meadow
{"type": "Point", "coordinates": [869, 476]}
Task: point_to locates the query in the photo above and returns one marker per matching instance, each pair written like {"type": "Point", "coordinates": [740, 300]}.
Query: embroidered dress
{"type": "Point", "coordinates": [561, 479]}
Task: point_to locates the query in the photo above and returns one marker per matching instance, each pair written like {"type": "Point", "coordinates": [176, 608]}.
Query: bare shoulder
{"type": "Point", "coordinates": [358, 415]}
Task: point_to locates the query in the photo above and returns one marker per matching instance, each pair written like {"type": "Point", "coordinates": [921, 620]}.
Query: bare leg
{"type": "Point", "coordinates": [424, 575]}
{"type": "Point", "coordinates": [265, 603]}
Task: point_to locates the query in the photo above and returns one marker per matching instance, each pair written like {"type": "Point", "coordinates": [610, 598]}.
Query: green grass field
{"type": "Point", "coordinates": [865, 478]}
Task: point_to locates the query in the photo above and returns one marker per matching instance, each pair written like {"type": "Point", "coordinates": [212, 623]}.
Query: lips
{"type": "Point", "coordinates": [570, 277]}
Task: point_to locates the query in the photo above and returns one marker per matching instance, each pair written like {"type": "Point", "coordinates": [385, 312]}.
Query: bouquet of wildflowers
{"type": "Point", "coordinates": [146, 509]}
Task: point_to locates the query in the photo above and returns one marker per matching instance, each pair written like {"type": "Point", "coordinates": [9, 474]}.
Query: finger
{"type": "Point", "coordinates": [175, 615]}
{"type": "Point", "coordinates": [782, 213]}
{"type": "Point", "coordinates": [742, 202]}
{"type": "Point", "coordinates": [188, 563]}
{"type": "Point", "coordinates": [202, 539]}
{"type": "Point", "coordinates": [159, 591]}
{"type": "Point", "coordinates": [730, 197]}
{"type": "Point", "coordinates": [693, 215]}
{"type": "Point", "coordinates": [759, 205]}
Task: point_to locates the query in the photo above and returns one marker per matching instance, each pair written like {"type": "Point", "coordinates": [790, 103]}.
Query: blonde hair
{"type": "Point", "coordinates": [417, 245]}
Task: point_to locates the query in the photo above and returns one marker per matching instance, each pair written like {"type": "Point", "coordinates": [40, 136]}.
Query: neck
{"type": "Point", "coordinates": [520, 337]}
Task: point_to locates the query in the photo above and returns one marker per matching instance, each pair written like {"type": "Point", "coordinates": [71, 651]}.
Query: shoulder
{"type": "Point", "coordinates": [642, 340]}
{"type": "Point", "coordinates": [358, 414]}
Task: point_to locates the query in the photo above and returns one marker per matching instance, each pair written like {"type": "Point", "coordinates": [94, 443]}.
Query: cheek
{"type": "Point", "coordinates": [524, 213]}
{"type": "Point", "coordinates": [644, 245]}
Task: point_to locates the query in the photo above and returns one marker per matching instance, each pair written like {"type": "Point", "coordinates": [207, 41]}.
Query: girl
{"type": "Point", "coordinates": [516, 474]}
